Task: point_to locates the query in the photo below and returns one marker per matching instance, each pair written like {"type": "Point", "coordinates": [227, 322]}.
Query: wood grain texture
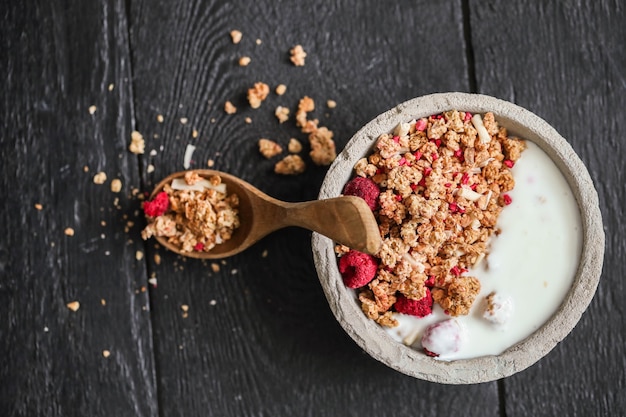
{"type": "Point", "coordinates": [565, 61]}
{"type": "Point", "coordinates": [59, 59]}
{"type": "Point", "coordinates": [258, 337]}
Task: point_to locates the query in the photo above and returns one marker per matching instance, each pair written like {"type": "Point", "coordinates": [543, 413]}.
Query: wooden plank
{"type": "Point", "coordinates": [565, 61]}
{"type": "Point", "coordinates": [258, 337]}
{"type": "Point", "coordinates": [60, 59]}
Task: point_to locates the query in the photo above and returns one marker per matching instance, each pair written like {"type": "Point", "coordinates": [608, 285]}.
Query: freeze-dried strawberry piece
{"type": "Point", "coordinates": [364, 188]}
{"type": "Point", "coordinates": [419, 308]}
{"type": "Point", "coordinates": [444, 338]}
{"type": "Point", "coordinates": [357, 268]}
{"type": "Point", "coordinates": [157, 206]}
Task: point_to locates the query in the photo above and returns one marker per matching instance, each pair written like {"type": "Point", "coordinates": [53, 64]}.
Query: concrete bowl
{"type": "Point", "coordinates": [374, 339]}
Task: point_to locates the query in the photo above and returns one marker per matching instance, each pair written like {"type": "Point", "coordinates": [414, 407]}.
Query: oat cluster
{"type": "Point", "coordinates": [196, 220]}
{"type": "Point", "coordinates": [443, 182]}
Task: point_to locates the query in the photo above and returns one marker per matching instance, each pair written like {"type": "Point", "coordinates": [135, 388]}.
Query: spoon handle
{"type": "Point", "coordinates": [347, 220]}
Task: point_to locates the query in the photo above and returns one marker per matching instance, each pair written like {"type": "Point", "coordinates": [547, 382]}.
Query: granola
{"type": "Point", "coordinates": [290, 165]}
{"type": "Point", "coordinates": [297, 55]}
{"type": "Point", "coordinates": [323, 150]}
{"type": "Point", "coordinates": [194, 215]}
{"type": "Point", "coordinates": [257, 94]}
{"type": "Point", "coordinates": [269, 148]}
{"type": "Point", "coordinates": [443, 182]}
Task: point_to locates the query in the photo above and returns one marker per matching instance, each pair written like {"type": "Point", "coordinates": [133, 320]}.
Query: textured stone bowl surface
{"type": "Point", "coordinates": [373, 339]}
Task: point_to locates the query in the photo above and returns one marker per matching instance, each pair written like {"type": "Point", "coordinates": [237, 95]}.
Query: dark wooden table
{"type": "Point", "coordinates": [258, 338]}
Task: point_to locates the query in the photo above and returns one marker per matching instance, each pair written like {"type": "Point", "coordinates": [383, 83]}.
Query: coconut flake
{"type": "Point", "coordinates": [200, 185]}
{"type": "Point", "coordinates": [486, 162]}
{"type": "Point", "coordinates": [468, 193]}
{"type": "Point", "coordinates": [402, 129]}
{"type": "Point", "coordinates": [188, 154]}
{"type": "Point", "coordinates": [484, 136]}
{"type": "Point", "coordinates": [484, 207]}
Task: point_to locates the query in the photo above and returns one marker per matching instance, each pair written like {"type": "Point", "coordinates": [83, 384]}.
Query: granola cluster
{"type": "Point", "coordinates": [443, 182]}
{"type": "Point", "coordinates": [191, 219]}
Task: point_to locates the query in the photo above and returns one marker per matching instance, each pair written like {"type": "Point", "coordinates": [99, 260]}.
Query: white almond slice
{"type": "Point", "coordinates": [484, 136]}
{"type": "Point", "coordinates": [200, 185]}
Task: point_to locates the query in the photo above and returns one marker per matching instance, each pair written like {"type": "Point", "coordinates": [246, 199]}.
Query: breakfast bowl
{"type": "Point", "coordinates": [534, 236]}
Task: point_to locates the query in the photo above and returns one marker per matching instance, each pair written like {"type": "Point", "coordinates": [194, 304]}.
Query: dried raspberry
{"type": "Point", "coordinates": [357, 268]}
{"type": "Point", "coordinates": [364, 188]}
{"type": "Point", "coordinates": [444, 338]}
{"type": "Point", "coordinates": [507, 199]}
{"type": "Point", "coordinates": [508, 163]}
{"type": "Point", "coordinates": [157, 206]}
{"type": "Point", "coordinates": [420, 125]}
{"type": "Point", "coordinates": [198, 247]}
{"type": "Point", "coordinates": [419, 308]}
{"type": "Point", "coordinates": [430, 282]}
{"type": "Point", "coordinates": [429, 353]}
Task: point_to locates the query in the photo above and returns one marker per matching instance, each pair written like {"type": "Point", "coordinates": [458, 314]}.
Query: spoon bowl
{"type": "Point", "coordinates": [347, 220]}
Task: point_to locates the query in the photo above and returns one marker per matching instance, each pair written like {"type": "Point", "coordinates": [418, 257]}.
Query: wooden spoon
{"type": "Point", "coordinates": [347, 220]}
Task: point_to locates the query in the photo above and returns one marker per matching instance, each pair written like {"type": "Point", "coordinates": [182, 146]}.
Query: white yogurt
{"type": "Point", "coordinates": [531, 263]}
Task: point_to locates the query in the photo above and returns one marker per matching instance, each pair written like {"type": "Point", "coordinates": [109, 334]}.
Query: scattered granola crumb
{"type": "Point", "coordinates": [322, 146]}
{"type": "Point", "coordinates": [297, 55]}
{"type": "Point", "coordinates": [184, 120]}
{"type": "Point", "coordinates": [281, 89]}
{"type": "Point", "coordinates": [257, 94]}
{"type": "Point", "coordinates": [100, 178]}
{"type": "Point", "coordinates": [229, 108]}
{"type": "Point", "coordinates": [85, 168]}
{"type": "Point", "coordinates": [160, 118]}
{"type": "Point", "coordinates": [137, 144]}
{"type": "Point", "coordinates": [264, 253]}
{"type": "Point", "coordinates": [258, 41]}
{"type": "Point", "coordinates": [157, 259]}
{"type": "Point", "coordinates": [244, 61]}
{"type": "Point", "coordinates": [331, 104]}
{"type": "Point", "coordinates": [236, 36]}
{"type": "Point", "coordinates": [184, 307]}
{"type": "Point", "coordinates": [139, 255]}
{"type": "Point", "coordinates": [92, 109]}
{"type": "Point", "coordinates": [210, 163]}
{"type": "Point", "coordinates": [116, 185]}
{"type": "Point", "coordinates": [194, 133]}
{"type": "Point", "coordinates": [150, 168]}
{"type": "Point", "coordinates": [269, 148]}
{"type": "Point", "coordinates": [152, 281]}
{"type": "Point", "coordinates": [73, 305]}
{"type": "Point", "coordinates": [282, 114]}
{"type": "Point", "coordinates": [111, 87]}
{"type": "Point", "coordinates": [248, 120]}
{"type": "Point", "coordinates": [69, 231]}
{"type": "Point", "coordinates": [294, 146]}
{"type": "Point", "coordinates": [106, 353]}
{"type": "Point", "coordinates": [215, 267]}
{"type": "Point", "coordinates": [212, 302]}
{"type": "Point", "coordinates": [103, 302]}
{"type": "Point", "coordinates": [38, 206]}
{"type": "Point", "coordinates": [290, 165]}
{"type": "Point", "coordinates": [305, 105]}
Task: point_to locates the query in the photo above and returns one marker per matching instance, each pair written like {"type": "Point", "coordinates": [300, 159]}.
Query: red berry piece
{"type": "Point", "coordinates": [157, 206]}
{"type": "Point", "coordinates": [357, 268]}
{"type": "Point", "coordinates": [364, 188]}
{"type": "Point", "coordinates": [419, 308]}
